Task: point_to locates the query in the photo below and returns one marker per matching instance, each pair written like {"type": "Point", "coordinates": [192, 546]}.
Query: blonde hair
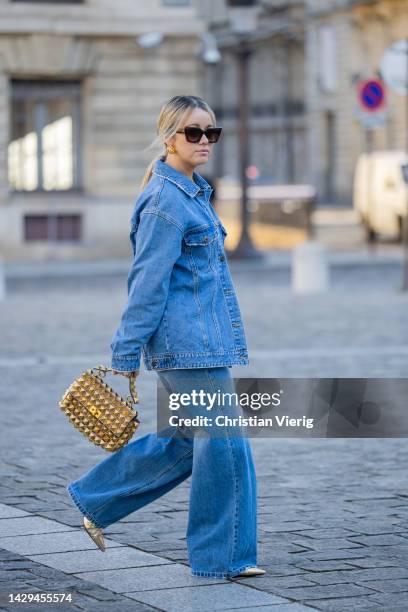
{"type": "Point", "coordinates": [170, 118]}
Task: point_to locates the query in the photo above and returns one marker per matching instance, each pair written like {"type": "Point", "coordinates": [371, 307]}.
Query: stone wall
{"type": "Point", "coordinates": [123, 87]}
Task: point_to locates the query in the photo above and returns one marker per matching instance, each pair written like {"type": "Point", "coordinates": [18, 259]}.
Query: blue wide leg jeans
{"type": "Point", "coordinates": [222, 521]}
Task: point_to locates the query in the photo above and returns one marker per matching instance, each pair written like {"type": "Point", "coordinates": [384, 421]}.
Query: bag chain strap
{"type": "Point", "coordinates": [130, 399]}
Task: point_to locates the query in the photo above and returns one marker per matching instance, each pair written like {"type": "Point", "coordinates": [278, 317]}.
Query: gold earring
{"type": "Point", "coordinates": [171, 149]}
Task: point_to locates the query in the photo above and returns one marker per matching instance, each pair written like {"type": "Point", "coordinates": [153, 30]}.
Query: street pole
{"type": "Point", "coordinates": [245, 249]}
{"type": "Point", "coordinates": [405, 219]}
{"type": "Point", "coordinates": [286, 111]}
{"type": "Point", "coordinates": [369, 148]}
{"type": "Point", "coordinates": [406, 94]}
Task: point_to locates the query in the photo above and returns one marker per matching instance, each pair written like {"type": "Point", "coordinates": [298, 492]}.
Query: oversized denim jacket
{"type": "Point", "coordinates": [182, 310]}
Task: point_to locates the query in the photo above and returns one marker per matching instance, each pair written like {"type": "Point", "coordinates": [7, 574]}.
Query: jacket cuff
{"type": "Point", "coordinates": [126, 363]}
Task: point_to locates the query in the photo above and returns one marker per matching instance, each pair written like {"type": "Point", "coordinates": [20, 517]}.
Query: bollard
{"type": "Point", "coordinates": [2, 280]}
{"type": "Point", "coordinates": [310, 272]}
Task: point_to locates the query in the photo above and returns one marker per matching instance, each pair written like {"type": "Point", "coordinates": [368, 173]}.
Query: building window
{"type": "Point", "coordinates": [53, 228]}
{"type": "Point", "coordinates": [327, 58]}
{"type": "Point", "coordinates": [44, 151]}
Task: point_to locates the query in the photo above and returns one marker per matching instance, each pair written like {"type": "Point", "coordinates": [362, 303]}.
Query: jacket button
{"type": "Point", "coordinates": [222, 258]}
{"type": "Point", "coordinates": [236, 325]}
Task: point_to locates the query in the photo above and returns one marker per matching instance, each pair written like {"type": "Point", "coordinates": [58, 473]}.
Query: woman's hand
{"type": "Point", "coordinates": [132, 374]}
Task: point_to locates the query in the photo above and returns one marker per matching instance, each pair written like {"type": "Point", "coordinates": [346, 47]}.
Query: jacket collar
{"type": "Point", "coordinates": [181, 180]}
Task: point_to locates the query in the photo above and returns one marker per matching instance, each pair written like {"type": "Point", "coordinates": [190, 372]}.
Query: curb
{"type": "Point", "coordinates": [272, 261]}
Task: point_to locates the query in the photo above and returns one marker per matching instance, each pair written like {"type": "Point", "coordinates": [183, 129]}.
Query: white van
{"type": "Point", "coordinates": [380, 194]}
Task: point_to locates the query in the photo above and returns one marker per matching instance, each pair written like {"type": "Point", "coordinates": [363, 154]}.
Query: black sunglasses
{"type": "Point", "coordinates": [194, 134]}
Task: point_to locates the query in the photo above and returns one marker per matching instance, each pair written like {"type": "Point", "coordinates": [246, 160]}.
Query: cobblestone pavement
{"type": "Point", "coordinates": [333, 528]}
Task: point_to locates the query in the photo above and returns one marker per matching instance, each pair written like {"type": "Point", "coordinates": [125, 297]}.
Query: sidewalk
{"type": "Point", "coordinates": [332, 513]}
{"type": "Point", "coordinates": [51, 556]}
{"type": "Point", "coordinates": [272, 260]}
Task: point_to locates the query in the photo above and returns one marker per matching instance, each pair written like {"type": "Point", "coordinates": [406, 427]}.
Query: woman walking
{"type": "Point", "coordinates": [182, 314]}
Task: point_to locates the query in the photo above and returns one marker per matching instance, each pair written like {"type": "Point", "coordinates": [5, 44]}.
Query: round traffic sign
{"type": "Point", "coordinates": [371, 95]}
{"type": "Point", "coordinates": [393, 66]}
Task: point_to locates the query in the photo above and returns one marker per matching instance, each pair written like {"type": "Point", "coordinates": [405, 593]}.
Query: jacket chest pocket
{"type": "Point", "coordinates": [201, 245]}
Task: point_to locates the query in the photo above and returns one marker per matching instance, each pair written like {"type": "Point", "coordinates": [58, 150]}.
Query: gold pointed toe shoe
{"type": "Point", "coordinates": [95, 533]}
{"type": "Point", "coordinates": [251, 571]}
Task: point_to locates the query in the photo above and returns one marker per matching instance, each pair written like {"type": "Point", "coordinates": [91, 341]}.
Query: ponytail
{"type": "Point", "coordinates": [149, 171]}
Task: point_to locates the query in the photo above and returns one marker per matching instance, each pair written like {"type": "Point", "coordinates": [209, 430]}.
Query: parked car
{"type": "Point", "coordinates": [380, 194]}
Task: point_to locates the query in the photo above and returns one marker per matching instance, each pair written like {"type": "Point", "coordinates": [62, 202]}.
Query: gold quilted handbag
{"type": "Point", "coordinates": [102, 415]}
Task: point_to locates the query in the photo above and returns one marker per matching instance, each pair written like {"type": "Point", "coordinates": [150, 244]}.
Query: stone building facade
{"type": "Point", "coordinates": [79, 99]}
{"type": "Point", "coordinates": [345, 41]}
{"type": "Point", "coordinates": [278, 125]}
{"type": "Point", "coordinates": [308, 57]}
